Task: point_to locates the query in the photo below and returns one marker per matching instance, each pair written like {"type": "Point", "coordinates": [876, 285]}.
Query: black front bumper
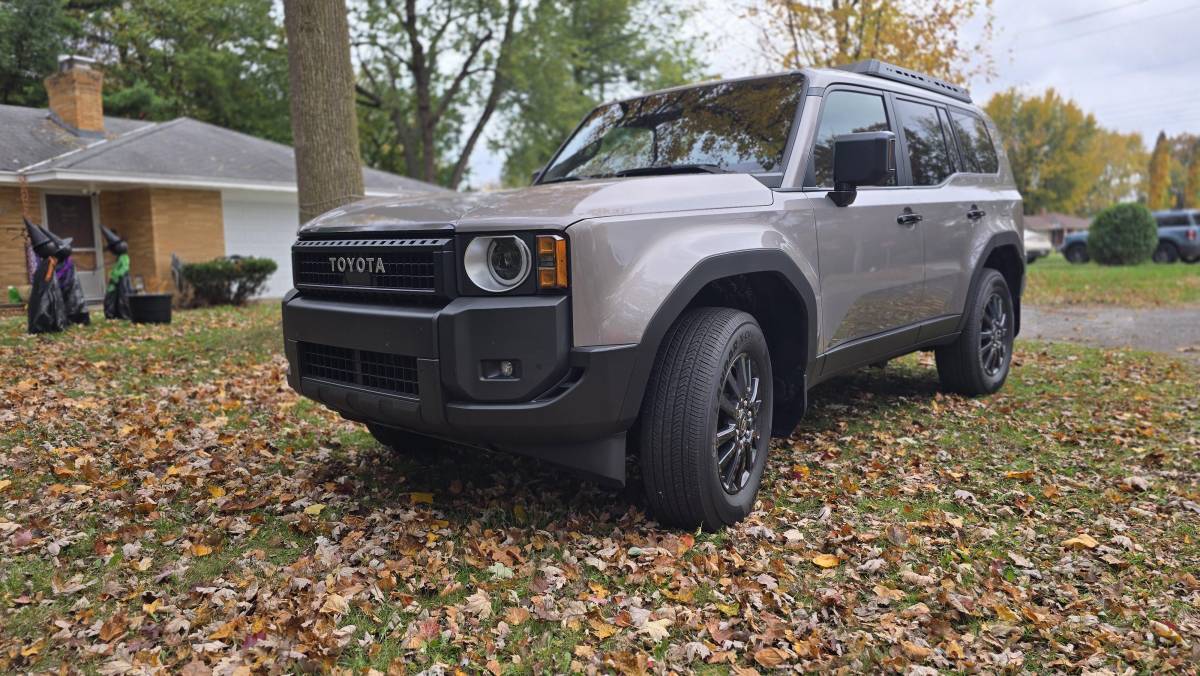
{"type": "Point", "coordinates": [560, 402]}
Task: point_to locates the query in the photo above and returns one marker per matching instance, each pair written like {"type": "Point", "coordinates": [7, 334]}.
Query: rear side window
{"type": "Point", "coordinates": [978, 153]}
{"type": "Point", "coordinates": [1172, 219]}
{"type": "Point", "coordinates": [845, 112]}
{"type": "Point", "coordinates": [929, 154]}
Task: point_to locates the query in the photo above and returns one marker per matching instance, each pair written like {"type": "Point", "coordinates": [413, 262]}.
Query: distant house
{"type": "Point", "coordinates": [183, 187]}
{"type": "Point", "coordinates": [1055, 225]}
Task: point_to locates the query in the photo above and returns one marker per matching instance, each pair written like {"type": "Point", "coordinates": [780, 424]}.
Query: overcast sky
{"type": "Point", "coordinates": [1135, 64]}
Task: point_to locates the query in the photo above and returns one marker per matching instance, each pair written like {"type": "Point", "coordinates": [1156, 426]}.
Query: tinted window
{"type": "Point", "coordinates": [928, 151]}
{"type": "Point", "coordinates": [845, 112]}
{"type": "Point", "coordinates": [979, 155]}
{"type": "Point", "coordinates": [740, 126]}
{"type": "Point", "coordinates": [1172, 219]}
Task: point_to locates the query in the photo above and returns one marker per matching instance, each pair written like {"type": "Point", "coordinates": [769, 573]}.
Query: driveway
{"type": "Point", "coordinates": [1174, 331]}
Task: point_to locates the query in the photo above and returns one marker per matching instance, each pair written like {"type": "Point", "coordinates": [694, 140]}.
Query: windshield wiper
{"type": "Point", "coordinates": [560, 179]}
{"type": "Point", "coordinates": [673, 169]}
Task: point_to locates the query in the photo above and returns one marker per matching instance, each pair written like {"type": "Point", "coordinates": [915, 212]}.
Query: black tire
{"type": "Point", "coordinates": [1166, 252]}
{"type": "Point", "coordinates": [1076, 253]}
{"type": "Point", "coordinates": [702, 357]}
{"type": "Point", "coordinates": [1193, 259]}
{"type": "Point", "coordinates": [979, 360]}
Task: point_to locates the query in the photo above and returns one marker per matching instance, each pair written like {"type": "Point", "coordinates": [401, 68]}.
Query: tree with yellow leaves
{"type": "Point", "coordinates": [1158, 190]}
{"type": "Point", "coordinates": [919, 34]}
{"type": "Point", "coordinates": [1191, 189]}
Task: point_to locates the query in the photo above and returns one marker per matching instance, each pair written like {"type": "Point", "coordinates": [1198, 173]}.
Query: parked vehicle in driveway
{"type": "Point", "coordinates": [1178, 239]}
{"type": "Point", "coordinates": [688, 265]}
{"type": "Point", "coordinates": [1037, 245]}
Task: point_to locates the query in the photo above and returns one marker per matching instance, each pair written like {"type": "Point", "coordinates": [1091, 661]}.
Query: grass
{"type": "Point", "coordinates": [154, 440]}
{"type": "Point", "coordinates": [1052, 281]}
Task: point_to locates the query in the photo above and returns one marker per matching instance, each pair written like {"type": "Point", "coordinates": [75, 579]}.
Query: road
{"type": "Point", "coordinates": [1174, 331]}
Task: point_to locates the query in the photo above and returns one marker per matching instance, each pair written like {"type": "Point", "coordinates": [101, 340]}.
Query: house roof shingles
{"type": "Point", "coordinates": [182, 149]}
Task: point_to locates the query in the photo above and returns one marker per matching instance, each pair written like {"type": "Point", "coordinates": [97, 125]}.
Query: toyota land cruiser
{"type": "Point", "coordinates": [687, 266]}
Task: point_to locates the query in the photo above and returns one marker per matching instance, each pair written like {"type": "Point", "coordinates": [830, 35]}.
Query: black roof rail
{"type": "Point", "coordinates": [895, 73]}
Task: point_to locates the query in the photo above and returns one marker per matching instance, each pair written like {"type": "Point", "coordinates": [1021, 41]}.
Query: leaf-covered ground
{"type": "Point", "coordinates": [1053, 281]}
{"type": "Point", "coordinates": [166, 503]}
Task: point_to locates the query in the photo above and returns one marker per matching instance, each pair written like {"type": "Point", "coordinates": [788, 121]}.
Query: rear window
{"type": "Point", "coordinates": [979, 155]}
{"type": "Point", "coordinates": [1172, 219]}
{"type": "Point", "coordinates": [928, 152]}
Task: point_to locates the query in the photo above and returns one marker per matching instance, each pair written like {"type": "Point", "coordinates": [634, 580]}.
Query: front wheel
{"type": "Point", "coordinates": [706, 420]}
{"type": "Point", "coordinates": [1166, 253]}
{"type": "Point", "coordinates": [978, 361]}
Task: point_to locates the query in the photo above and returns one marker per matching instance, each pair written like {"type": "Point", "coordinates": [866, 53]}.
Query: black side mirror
{"type": "Point", "coordinates": [864, 158]}
{"type": "Point", "coordinates": [537, 173]}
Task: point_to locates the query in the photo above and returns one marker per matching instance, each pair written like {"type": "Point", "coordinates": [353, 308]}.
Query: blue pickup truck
{"type": "Point", "coordinates": [1178, 239]}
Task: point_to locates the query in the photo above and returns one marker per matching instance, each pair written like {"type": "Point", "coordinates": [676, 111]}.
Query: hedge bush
{"type": "Point", "coordinates": [227, 281]}
{"type": "Point", "coordinates": [1123, 234]}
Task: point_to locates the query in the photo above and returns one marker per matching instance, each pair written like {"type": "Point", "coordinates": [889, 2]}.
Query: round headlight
{"type": "Point", "coordinates": [497, 263]}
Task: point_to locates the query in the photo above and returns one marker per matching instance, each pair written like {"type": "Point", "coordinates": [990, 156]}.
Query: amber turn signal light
{"type": "Point", "coordinates": [552, 262]}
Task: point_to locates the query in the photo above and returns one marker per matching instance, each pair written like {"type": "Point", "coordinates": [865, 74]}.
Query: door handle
{"type": "Point", "coordinates": [909, 218]}
{"type": "Point", "coordinates": [976, 213]}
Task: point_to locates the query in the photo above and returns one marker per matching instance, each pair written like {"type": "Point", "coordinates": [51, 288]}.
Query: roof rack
{"type": "Point", "coordinates": [895, 73]}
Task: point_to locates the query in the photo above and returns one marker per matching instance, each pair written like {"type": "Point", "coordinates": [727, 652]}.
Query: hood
{"type": "Point", "coordinates": [545, 207]}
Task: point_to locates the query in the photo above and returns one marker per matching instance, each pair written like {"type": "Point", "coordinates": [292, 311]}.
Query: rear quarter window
{"type": "Point", "coordinates": [979, 154]}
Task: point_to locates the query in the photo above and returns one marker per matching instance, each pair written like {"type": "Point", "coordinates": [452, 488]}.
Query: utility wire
{"type": "Point", "coordinates": [1078, 36]}
{"type": "Point", "coordinates": [1085, 15]}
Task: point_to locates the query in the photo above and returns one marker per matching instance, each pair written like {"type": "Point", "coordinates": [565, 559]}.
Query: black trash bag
{"type": "Point", "coordinates": [47, 313]}
{"type": "Point", "coordinates": [116, 299]}
{"type": "Point", "coordinates": [72, 293]}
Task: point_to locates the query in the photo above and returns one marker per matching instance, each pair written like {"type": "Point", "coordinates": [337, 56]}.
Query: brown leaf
{"type": "Point", "coordinates": [114, 627]}
{"type": "Point", "coordinates": [515, 615]}
{"type": "Point", "coordinates": [770, 657]}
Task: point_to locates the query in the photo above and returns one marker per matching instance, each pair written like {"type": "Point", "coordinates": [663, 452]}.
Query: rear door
{"type": "Point", "coordinates": [871, 266]}
{"type": "Point", "coordinates": [946, 203]}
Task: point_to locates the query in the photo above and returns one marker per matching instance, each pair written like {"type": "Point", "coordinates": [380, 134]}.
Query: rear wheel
{"type": "Point", "coordinates": [1166, 253]}
{"type": "Point", "coordinates": [978, 361]}
{"type": "Point", "coordinates": [706, 420]}
{"type": "Point", "coordinates": [1076, 253]}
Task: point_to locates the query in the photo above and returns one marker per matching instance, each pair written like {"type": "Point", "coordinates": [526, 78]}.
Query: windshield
{"type": "Point", "coordinates": [739, 126]}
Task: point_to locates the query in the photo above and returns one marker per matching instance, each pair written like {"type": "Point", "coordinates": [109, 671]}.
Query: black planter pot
{"type": "Point", "coordinates": [150, 308]}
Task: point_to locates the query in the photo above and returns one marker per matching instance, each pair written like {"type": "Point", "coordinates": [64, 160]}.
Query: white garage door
{"type": "Point", "coordinates": [263, 225]}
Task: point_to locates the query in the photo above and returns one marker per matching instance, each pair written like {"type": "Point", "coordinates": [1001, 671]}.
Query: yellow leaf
{"type": "Point", "coordinates": [223, 632]}
{"type": "Point", "coordinates": [201, 550]}
{"type": "Point", "coordinates": [1005, 613]}
{"type": "Point", "coordinates": [826, 560]}
{"type": "Point", "coordinates": [914, 651]}
{"type": "Point", "coordinates": [770, 657]}
{"type": "Point", "coordinates": [335, 604]}
{"type": "Point", "coordinates": [313, 510]}
{"type": "Point", "coordinates": [216, 491]}
{"type": "Point", "coordinates": [34, 648]}
{"type": "Point", "coordinates": [1081, 541]}
{"type": "Point", "coordinates": [602, 630]}
{"type": "Point", "coordinates": [728, 609]}
{"type": "Point", "coordinates": [5, 483]}
{"type": "Point", "coordinates": [151, 608]}
{"type": "Point", "coordinates": [143, 565]}
{"type": "Point", "coordinates": [515, 616]}
{"type": "Point", "coordinates": [1164, 631]}
{"type": "Point", "coordinates": [518, 512]}
{"type": "Point", "coordinates": [418, 498]}
{"type": "Point", "coordinates": [1022, 475]}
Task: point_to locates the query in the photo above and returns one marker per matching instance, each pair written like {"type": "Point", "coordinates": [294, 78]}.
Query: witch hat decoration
{"type": "Point", "coordinates": [113, 241]}
{"type": "Point", "coordinates": [62, 246]}
{"type": "Point", "coordinates": [40, 240]}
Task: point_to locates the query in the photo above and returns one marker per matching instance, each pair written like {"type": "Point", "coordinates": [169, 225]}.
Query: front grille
{"type": "Point", "coordinates": [391, 373]}
{"type": "Point", "coordinates": [396, 265]}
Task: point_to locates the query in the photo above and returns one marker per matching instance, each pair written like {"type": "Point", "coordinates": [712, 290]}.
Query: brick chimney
{"type": "Point", "coordinates": [75, 94]}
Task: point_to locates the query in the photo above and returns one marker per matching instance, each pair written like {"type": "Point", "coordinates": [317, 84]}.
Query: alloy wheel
{"type": "Point", "coordinates": [993, 336]}
{"type": "Point", "coordinates": [738, 423]}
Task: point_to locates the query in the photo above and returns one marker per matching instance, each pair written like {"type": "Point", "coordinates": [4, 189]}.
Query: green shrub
{"type": "Point", "coordinates": [227, 281]}
{"type": "Point", "coordinates": [1123, 234]}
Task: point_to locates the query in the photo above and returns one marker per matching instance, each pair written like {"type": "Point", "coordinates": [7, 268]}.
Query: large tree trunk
{"type": "Point", "coordinates": [324, 121]}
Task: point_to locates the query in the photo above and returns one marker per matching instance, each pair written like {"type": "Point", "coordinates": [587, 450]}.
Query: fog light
{"type": "Point", "coordinates": [506, 368]}
{"type": "Point", "coordinates": [500, 369]}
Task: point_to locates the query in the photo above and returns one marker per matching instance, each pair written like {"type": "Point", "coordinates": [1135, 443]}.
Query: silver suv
{"type": "Point", "coordinates": [688, 265]}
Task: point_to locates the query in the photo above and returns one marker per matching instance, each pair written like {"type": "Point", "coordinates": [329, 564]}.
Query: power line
{"type": "Point", "coordinates": [1111, 28]}
{"type": "Point", "coordinates": [1085, 15]}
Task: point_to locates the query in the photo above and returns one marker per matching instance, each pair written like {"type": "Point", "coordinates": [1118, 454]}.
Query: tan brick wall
{"type": "Point", "coordinates": [12, 236]}
{"type": "Point", "coordinates": [75, 96]}
{"type": "Point", "coordinates": [130, 213]}
{"type": "Point", "coordinates": [188, 223]}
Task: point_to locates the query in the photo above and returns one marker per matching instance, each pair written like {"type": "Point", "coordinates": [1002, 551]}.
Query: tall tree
{"type": "Point", "coordinates": [1191, 188]}
{"type": "Point", "coordinates": [32, 35]}
{"type": "Point", "coordinates": [573, 56]}
{"type": "Point", "coordinates": [1052, 147]}
{"type": "Point", "coordinates": [1158, 189]}
{"type": "Point", "coordinates": [923, 35]}
{"type": "Point", "coordinates": [425, 70]}
{"type": "Point", "coordinates": [324, 123]}
{"type": "Point", "coordinates": [1122, 158]}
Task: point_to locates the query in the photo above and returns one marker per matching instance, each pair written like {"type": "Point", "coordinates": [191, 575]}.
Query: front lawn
{"type": "Point", "coordinates": [166, 501]}
{"type": "Point", "coordinates": [1053, 281]}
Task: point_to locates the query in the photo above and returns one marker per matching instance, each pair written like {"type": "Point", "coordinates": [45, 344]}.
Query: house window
{"type": "Point", "coordinates": [71, 216]}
